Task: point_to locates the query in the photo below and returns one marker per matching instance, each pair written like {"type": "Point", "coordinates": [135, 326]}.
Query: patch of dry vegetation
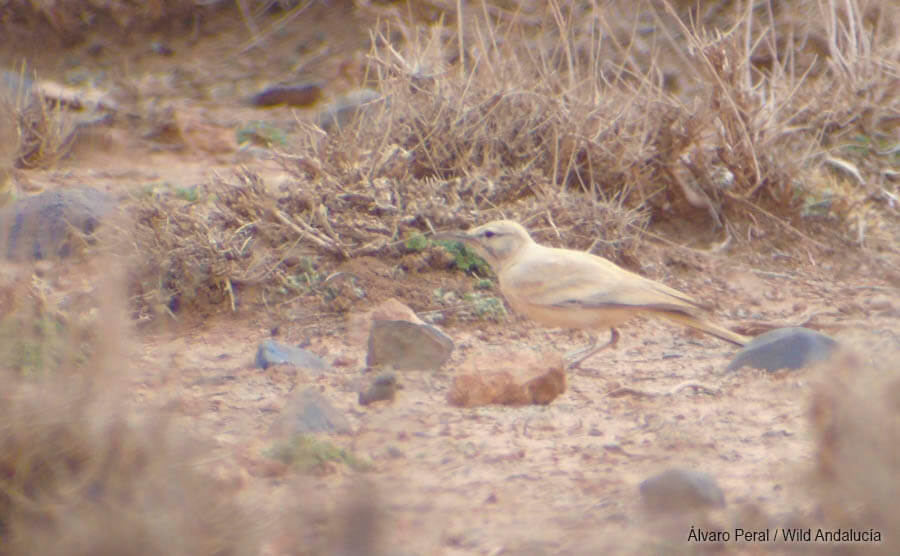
{"type": "Point", "coordinates": [35, 132]}
{"type": "Point", "coordinates": [588, 122]}
{"type": "Point", "coordinates": [80, 471]}
{"type": "Point", "coordinates": [856, 423]}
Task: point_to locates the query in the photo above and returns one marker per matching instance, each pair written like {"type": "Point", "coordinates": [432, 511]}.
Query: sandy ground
{"type": "Point", "coordinates": [561, 479]}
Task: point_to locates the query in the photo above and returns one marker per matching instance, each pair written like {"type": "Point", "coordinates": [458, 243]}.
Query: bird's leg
{"type": "Point", "coordinates": [575, 358]}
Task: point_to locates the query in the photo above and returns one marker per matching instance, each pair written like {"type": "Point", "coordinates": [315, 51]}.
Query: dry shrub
{"type": "Point", "coordinates": [45, 135]}
{"type": "Point", "coordinates": [79, 476]}
{"type": "Point", "coordinates": [214, 251]}
{"type": "Point", "coordinates": [584, 96]}
{"type": "Point", "coordinates": [856, 424]}
{"type": "Point", "coordinates": [80, 472]}
{"type": "Point", "coordinates": [34, 129]}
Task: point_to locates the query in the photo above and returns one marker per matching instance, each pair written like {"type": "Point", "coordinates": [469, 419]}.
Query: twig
{"type": "Point", "coordinates": [887, 289]}
{"type": "Point", "coordinates": [627, 390]}
{"type": "Point", "coordinates": [230, 291]}
{"type": "Point", "coordinates": [781, 221]}
{"type": "Point", "coordinates": [308, 234]}
{"type": "Point", "coordinates": [773, 274]}
{"type": "Point", "coordinates": [553, 225]}
{"type": "Point", "coordinates": [696, 386]}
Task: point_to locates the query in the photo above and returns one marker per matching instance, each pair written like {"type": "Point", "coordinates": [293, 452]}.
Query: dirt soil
{"type": "Point", "coordinates": [561, 479]}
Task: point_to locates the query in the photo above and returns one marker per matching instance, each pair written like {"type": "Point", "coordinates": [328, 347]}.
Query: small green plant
{"type": "Point", "coordinates": [815, 204]}
{"type": "Point", "coordinates": [261, 133]}
{"type": "Point", "coordinates": [484, 284]}
{"type": "Point", "coordinates": [486, 306]}
{"type": "Point", "coordinates": [36, 348]}
{"type": "Point", "coordinates": [464, 258]}
{"type": "Point", "coordinates": [188, 194]}
{"type": "Point", "coordinates": [417, 242]}
{"type": "Point", "coordinates": [306, 453]}
{"type": "Point", "coordinates": [153, 189]}
{"type": "Point", "coordinates": [307, 280]}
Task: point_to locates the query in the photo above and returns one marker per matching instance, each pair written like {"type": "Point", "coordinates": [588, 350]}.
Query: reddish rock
{"type": "Point", "coordinates": [509, 378]}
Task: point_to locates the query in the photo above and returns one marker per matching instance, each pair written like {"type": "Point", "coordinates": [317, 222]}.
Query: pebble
{"type": "Point", "coordinates": [299, 94]}
{"type": "Point", "coordinates": [406, 345]}
{"type": "Point", "coordinates": [271, 352]}
{"type": "Point", "coordinates": [677, 490]}
{"type": "Point", "coordinates": [383, 388]}
{"type": "Point", "coordinates": [347, 108]}
{"type": "Point", "coordinates": [310, 412]}
{"type": "Point", "coordinates": [784, 348]}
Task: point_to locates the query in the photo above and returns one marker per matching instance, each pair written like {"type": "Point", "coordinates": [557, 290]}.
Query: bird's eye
{"type": "Point", "coordinates": [489, 233]}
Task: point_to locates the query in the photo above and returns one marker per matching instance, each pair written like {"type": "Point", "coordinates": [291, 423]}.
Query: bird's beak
{"type": "Point", "coordinates": [455, 235]}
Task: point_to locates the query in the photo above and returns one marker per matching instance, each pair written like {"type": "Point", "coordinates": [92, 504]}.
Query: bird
{"type": "Point", "coordinates": [573, 289]}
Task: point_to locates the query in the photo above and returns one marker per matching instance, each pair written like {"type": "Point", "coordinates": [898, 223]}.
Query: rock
{"type": "Point", "coordinates": [41, 226]}
{"type": "Point", "coordinates": [676, 490]}
{"type": "Point", "coordinates": [784, 348]}
{"type": "Point", "coordinates": [310, 412]}
{"type": "Point", "coordinates": [299, 94]}
{"type": "Point", "coordinates": [271, 352]}
{"type": "Point", "coordinates": [384, 387]}
{"type": "Point", "coordinates": [15, 87]}
{"type": "Point", "coordinates": [347, 108]}
{"type": "Point", "coordinates": [395, 336]}
{"type": "Point", "coordinates": [392, 309]}
{"type": "Point", "coordinates": [510, 378]}
{"type": "Point", "coordinates": [407, 346]}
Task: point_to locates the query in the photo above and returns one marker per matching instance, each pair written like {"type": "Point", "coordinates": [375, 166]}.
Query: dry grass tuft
{"type": "Point", "coordinates": [80, 472]}
{"type": "Point", "coordinates": [34, 129]}
{"type": "Point", "coordinates": [856, 423]}
{"type": "Point", "coordinates": [80, 476]}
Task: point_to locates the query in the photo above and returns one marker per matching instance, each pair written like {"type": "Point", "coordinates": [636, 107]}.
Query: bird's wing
{"type": "Point", "coordinates": [563, 278]}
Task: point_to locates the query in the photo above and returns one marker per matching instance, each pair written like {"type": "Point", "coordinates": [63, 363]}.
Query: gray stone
{"type": "Point", "coordinates": [271, 352]}
{"type": "Point", "coordinates": [383, 388]}
{"type": "Point", "coordinates": [15, 87]}
{"type": "Point", "coordinates": [298, 94]}
{"type": "Point", "coordinates": [310, 412]}
{"type": "Point", "coordinates": [784, 348]}
{"type": "Point", "coordinates": [406, 345]}
{"type": "Point", "coordinates": [347, 108]}
{"type": "Point", "coordinates": [681, 489]}
{"type": "Point", "coordinates": [41, 226]}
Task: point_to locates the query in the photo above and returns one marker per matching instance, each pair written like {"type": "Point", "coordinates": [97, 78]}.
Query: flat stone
{"type": "Point", "coordinates": [298, 94]}
{"type": "Point", "coordinates": [509, 378]}
{"type": "Point", "coordinates": [348, 108]}
{"type": "Point", "coordinates": [360, 324]}
{"type": "Point", "coordinates": [406, 345]}
{"type": "Point", "coordinates": [677, 490]}
{"type": "Point", "coordinates": [784, 348]}
{"type": "Point", "coordinates": [309, 412]}
{"type": "Point", "coordinates": [383, 388]}
{"type": "Point", "coordinates": [41, 226]}
{"type": "Point", "coordinates": [271, 352]}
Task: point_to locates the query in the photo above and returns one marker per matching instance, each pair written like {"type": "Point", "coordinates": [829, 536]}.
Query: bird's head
{"type": "Point", "coordinates": [496, 242]}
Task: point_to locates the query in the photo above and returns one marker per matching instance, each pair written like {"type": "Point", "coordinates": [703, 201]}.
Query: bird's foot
{"type": "Point", "coordinates": [575, 358]}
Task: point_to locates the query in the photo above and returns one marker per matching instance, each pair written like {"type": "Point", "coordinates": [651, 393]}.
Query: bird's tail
{"type": "Point", "coordinates": [703, 325]}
